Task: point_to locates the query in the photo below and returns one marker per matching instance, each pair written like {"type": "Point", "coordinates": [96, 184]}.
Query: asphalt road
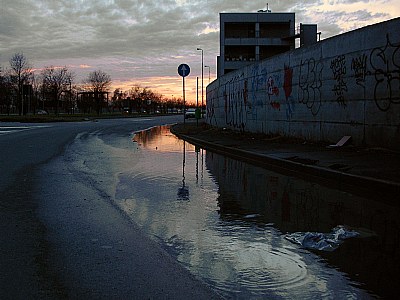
{"type": "Point", "coordinates": [61, 236]}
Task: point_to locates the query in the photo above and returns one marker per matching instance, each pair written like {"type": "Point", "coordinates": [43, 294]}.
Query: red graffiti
{"type": "Point", "coordinates": [287, 84]}
{"type": "Point", "coordinates": [276, 105]}
{"type": "Point", "coordinates": [272, 88]}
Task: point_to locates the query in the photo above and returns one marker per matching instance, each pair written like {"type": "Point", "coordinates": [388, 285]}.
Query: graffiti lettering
{"type": "Point", "coordinates": [310, 83]}
{"type": "Point", "coordinates": [338, 67]}
{"type": "Point", "coordinates": [385, 64]}
{"type": "Point", "coordinates": [272, 88]}
{"type": "Point", "coordinates": [359, 66]}
{"type": "Point", "coordinates": [235, 98]}
{"type": "Point", "coordinates": [210, 107]}
{"type": "Point", "coordinates": [245, 93]}
{"type": "Point", "coordinates": [257, 83]}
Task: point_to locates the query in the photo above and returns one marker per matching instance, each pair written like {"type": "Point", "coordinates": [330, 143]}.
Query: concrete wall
{"type": "Point", "coordinates": [345, 85]}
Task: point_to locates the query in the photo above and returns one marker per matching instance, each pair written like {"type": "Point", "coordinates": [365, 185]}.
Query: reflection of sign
{"type": "Point", "coordinates": [183, 193]}
{"type": "Point", "coordinates": [183, 70]}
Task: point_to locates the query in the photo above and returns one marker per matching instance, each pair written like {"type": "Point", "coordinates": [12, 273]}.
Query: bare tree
{"type": "Point", "coordinates": [56, 80]}
{"type": "Point", "coordinates": [20, 73]}
{"type": "Point", "coordinates": [98, 82]}
{"type": "Point", "coordinates": [4, 93]}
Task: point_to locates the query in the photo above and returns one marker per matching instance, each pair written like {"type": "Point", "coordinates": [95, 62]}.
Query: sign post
{"type": "Point", "coordinates": [183, 71]}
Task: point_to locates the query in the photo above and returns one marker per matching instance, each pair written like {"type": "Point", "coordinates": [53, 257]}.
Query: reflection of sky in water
{"type": "Point", "coordinates": [216, 232]}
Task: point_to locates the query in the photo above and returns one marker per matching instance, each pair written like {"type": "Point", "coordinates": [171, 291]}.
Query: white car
{"type": "Point", "coordinates": [190, 113]}
{"type": "Point", "coordinates": [41, 112]}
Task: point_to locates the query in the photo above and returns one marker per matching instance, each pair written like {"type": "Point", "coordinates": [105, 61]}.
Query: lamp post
{"type": "Point", "coordinates": [202, 78]}
{"type": "Point", "coordinates": [197, 99]}
{"type": "Point", "coordinates": [209, 73]}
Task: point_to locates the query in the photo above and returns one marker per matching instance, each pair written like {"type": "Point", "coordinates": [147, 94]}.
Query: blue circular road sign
{"type": "Point", "coordinates": [183, 70]}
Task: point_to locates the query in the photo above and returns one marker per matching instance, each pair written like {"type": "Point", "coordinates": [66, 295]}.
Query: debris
{"type": "Point", "coordinates": [343, 141]}
{"type": "Point", "coordinates": [252, 216]}
{"type": "Point", "coordinates": [322, 241]}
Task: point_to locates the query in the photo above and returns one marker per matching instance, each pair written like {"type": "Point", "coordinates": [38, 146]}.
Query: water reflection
{"type": "Point", "coordinates": [183, 192]}
{"type": "Point", "coordinates": [231, 232]}
{"type": "Point", "coordinates": [159, 139]}
{"type": "Point", "coordinates": [295, 205]}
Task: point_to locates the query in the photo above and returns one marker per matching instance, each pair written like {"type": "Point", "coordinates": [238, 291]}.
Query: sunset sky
{"type": "Point", "coordinates": [143, 41]}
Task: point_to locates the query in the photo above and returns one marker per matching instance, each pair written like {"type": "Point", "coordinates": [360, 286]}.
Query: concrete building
{"type": "Point", "coordinates": [346, 85]}
{"type": "Point", "coordinates": [246, 38]}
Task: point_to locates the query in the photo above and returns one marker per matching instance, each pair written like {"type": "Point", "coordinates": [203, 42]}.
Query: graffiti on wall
{"type": "Point", "coordinates": [287, 87]}
{"type": "Point", "coordinates": [314, 85]}
{"type": "Point", "coordinates": [273, 90]}
{"type": "Point", "coordinates": [258, 79]}
{"type": "Point", "coordinates": [235, 102]}
{"type": "Point", "coordinates": [385, 63]}
{"type": "Point", "coordinates": [359, 67]}
{"type": "Point", "coordinates": [338, 67]}
{"type": "Point", "coordinates": [310, 83]}
{"type": "Point", "coordinates": [210, 115]}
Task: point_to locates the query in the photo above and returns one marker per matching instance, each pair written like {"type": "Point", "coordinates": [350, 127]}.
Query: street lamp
{"type": "Point", "coordinates": [202, 78]}
{"type": "Point", "coordinates": [209, 73]}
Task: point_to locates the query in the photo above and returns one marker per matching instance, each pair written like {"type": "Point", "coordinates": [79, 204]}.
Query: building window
{"type": "Point", "coordinates": [240, 30]}
{"type": "Point", "coordinates": [274, 30]}
{"type": "Point", "coordinates": [240, 53]}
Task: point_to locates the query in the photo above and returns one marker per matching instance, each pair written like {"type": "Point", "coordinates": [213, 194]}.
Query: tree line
{"type": "Point", "coordinates": [143, 100]}
{"type": "Point", "coordinates": [53, 90]}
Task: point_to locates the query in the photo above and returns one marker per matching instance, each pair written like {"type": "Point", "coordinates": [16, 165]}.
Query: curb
{"type": "Point", "coordinates": [361, 185]}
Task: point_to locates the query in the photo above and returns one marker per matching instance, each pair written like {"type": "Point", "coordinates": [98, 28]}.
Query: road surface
{"type": "Point", "coordinates": [61, 236]}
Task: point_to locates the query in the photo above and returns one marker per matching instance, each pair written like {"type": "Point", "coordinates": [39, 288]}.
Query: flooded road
{"type": "Point", "coordinates": [228, 223]}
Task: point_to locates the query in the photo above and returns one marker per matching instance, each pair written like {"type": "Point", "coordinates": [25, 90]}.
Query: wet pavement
{"type": "Point", "coordinates": [360, 169]}
{"type": "Point", "coordinates": [61, 236]}
{"type": "Point", "coordinates": [230, 222]}
{"type": "Point", "coordinates": [103, 216]}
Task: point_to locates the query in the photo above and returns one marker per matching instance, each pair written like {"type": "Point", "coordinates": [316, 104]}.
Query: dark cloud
{"type": "Point", "coordinates": [142, 37]}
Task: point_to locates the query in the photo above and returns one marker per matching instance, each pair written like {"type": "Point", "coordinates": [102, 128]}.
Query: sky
{"type": "Point", "coordinates": [142, 42]}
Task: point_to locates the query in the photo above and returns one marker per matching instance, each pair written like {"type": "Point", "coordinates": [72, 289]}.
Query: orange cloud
{"type": "Point", "coordinates": [168, 86]}
{"type": "Point", "coordinates": [83, 66]}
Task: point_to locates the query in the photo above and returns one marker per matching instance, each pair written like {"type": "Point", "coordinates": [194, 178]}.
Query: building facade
{"type": "Point", "coordinates": [246, 38]}
{"type": "Point", "coordinates": [346, 85]}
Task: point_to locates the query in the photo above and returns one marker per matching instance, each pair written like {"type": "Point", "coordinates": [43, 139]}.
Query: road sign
{"type": "Point", "coordinates": [183, 70]}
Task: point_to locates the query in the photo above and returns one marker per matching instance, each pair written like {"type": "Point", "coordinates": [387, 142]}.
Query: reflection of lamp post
{"type": "Point", "coordinates": [197, 149]}
{"type": "Point", "coordinates": [202, 77]}
{"type": "Point", "coordinates": [209, 73]}
{"type": "Point", "coordinates": [183, 192]}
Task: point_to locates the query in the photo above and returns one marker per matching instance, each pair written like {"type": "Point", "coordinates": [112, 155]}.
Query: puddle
{"type": "Point", "coordinates": [226, 222]}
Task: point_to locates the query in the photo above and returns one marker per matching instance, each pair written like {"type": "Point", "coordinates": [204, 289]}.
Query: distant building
{"type": "Point", "coordinates": [246, 38]}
